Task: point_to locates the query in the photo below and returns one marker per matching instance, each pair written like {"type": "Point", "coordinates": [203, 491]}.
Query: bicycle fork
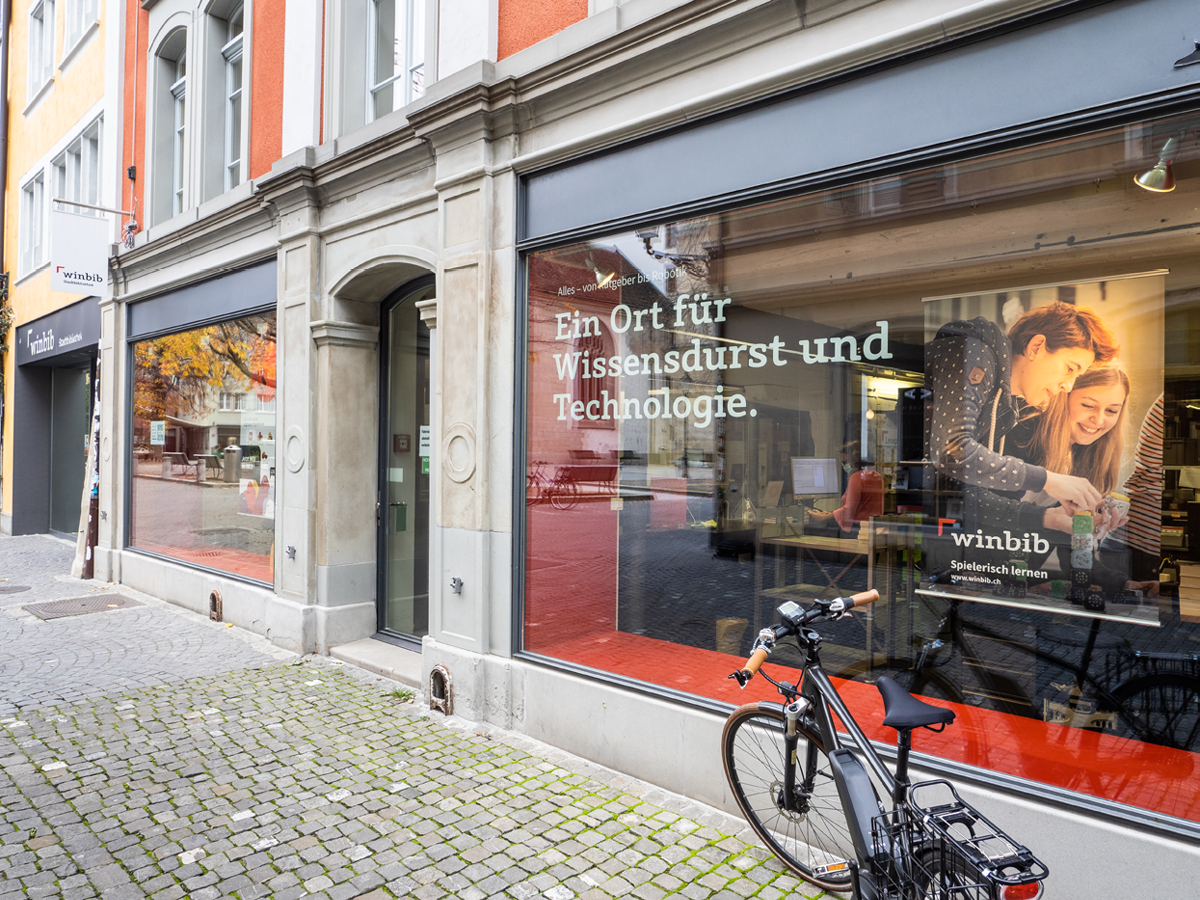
{"type": "Point", "coordinates": [790, 801]}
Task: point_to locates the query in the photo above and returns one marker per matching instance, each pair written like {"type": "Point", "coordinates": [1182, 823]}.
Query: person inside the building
{"type": "Point", "coordinates": [863, 497]}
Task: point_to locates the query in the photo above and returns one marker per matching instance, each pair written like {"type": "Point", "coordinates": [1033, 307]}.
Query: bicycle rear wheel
{"type": "Point", "coordinates": [564, 495]}
{"type": "Point", "coordinates": [813, 842]}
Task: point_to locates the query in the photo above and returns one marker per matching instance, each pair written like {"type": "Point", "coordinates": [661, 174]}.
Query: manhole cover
{"type": "Point", "coordinates": [80, 606]}
{"type": "Point", "coordinates": [13, 588]}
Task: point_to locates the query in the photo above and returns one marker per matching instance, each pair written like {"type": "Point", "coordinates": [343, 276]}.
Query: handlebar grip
{"type": "Point", "coordinates": [862, 599]}
{"type": "Point", "coordinates": [757, 658]}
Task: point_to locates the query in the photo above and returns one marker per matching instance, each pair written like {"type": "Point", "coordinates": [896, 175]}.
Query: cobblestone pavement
{"type": "Point", "coordinates": [44, 662]}
{"type": "Point", "coordinates": [285, 777]}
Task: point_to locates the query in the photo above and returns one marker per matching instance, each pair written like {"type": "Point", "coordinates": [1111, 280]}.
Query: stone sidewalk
{"type": "Point", "coordinates": [179, 758]}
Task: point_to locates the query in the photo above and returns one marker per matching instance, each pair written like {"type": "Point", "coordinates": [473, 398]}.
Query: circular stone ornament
{"type": "Point", "coordinates": [458, 452]}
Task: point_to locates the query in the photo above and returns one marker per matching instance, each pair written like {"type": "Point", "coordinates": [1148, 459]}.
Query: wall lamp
{"type": "Point", "coordinates": [601, 278]}
{"type": "Point", "coordinates": [1160, 179]}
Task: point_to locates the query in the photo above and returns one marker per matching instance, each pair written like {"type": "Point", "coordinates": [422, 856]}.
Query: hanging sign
{"type": "Point", "coordinates": [79, 248]}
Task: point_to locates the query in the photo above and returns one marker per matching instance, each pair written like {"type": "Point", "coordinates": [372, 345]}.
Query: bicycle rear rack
{"type": "Point", "coordinates": [946, 849]}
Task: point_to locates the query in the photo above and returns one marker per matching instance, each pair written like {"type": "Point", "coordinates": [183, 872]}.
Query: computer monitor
{"type": "Point", "coordinates": [814, 477]}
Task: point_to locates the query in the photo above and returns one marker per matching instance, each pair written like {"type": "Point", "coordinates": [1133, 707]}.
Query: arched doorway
{"type": "Point", "coordinates": [405, 394]}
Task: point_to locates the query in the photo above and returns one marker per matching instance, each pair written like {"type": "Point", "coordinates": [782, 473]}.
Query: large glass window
{"type": "Point", "coordinates": [972, 388]}
{"type": "Point", "coordinates": [204, 437]}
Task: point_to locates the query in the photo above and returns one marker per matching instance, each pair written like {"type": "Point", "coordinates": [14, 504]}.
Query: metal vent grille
{"type": "Point", "coordinates": [80, 606]}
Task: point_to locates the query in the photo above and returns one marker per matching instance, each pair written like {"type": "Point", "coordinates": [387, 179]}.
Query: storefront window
{"type": "Point", "coordinates": [204, 436]}
{"type": "Point", "coordinates": [972, 388]}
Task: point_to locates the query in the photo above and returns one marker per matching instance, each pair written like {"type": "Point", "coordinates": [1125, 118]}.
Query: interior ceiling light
{"type": "Point", "coordinates": [601, 278]}
{"type": "Point", "coordinates": [1160, 179]}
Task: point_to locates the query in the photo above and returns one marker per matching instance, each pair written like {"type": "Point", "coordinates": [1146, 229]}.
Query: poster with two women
{"type": "Point", "coordinates": [1043, 445]}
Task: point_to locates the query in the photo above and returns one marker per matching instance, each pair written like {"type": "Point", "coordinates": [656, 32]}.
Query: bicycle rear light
{"type": "Point", "coordinates": [1030, 891]}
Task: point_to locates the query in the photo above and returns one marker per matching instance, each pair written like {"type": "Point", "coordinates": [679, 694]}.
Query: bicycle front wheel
{"type": "Point", "coordinates": [812, 839]}
{"type": "Point", "coordinates": [565, 495]}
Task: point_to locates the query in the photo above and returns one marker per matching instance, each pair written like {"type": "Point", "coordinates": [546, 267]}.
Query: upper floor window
{"type": "Point", "coordinates": [32, 227]}
{"type": "Point", "coordinates": [231, 54]}
{"type": "Point", "coordinates": [81, 14]}
{"type": "Point", "coordinates": [77, 170]}
{"type": "Point", "coordinates": [179, 141]}
{"type": "Point", "coordinates": [41, 46]}
{"type": "Point", "coordinates": [395, 55]}
{"type": "Point", "coordinates": [219, 100]}
{"type": "Point", "coordinates": [169, 160]}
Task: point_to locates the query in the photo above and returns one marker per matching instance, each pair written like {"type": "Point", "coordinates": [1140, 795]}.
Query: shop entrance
{"type": "Point", "coordinates": [404, 457]}
{"type": "Point", "coordinates": [70, 409]}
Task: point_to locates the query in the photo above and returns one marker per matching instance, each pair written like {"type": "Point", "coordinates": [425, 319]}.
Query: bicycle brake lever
{"type": "Point", "coordinates": [739, 676]}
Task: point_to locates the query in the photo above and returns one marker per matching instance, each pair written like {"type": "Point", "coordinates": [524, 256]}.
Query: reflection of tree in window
{"type": "Point", "coordinates": [589, 389]}
{"type": "Point", "coordinates": [179, 374]}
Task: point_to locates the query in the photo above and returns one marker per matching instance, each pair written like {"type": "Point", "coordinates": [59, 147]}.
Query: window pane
{"type": "Point", "coordinates": [866, 387]}
{"type": "Point", "coordinates": [203, 485]}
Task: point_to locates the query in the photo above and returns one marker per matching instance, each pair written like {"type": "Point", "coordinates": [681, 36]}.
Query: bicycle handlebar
{"type": "Point", "coordinates": [766, 642]}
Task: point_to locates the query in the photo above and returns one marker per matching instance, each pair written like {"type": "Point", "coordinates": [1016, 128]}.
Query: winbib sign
{"type": "Point", "coordinates": [79, 248]}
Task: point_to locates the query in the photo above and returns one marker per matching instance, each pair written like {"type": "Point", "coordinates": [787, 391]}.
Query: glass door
{"type": "Point", "coordinates": [404, 469]}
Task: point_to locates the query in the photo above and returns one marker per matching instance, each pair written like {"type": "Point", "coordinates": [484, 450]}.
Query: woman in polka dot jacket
{"type": "Point", "coordinates": [983, 381]}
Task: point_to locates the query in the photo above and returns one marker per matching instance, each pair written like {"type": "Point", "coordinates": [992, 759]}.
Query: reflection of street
{"type": "Point", "coordinates": [638, 581]}
{"type": "Point", "coordinates": [201, 523]}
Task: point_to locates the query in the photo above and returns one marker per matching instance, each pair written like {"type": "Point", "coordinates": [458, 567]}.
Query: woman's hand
{"type": "Point", "coordinates": [1072, 491]}
{"type": "Point", "coordinates": [1058, 519]}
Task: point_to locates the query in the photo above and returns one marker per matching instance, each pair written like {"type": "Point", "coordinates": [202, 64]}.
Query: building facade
{"type": "Point", "coordinates": [564, 342]}
{"type": "Point", "coordinates": [59, 73]}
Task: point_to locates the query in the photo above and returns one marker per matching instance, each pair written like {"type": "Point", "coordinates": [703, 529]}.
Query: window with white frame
{"type": "Point", "coordinates": [41, 46]}
{"type": "Point", "coordinates": [33, 221]}
{"type": "Point", "coordinates": [179, 140]}
{"type": "Point", "coordinates": [395, 55]}
{"type": "Point", "coordinates": [220, 101]}
{"type": "Point", "coordinates": [231, 53]}
{"type": "Point", "coordinates": [170, 158]}
{"type": "Point", "coordinates": [81, 15]}
{"type": "Point", "coordinates": [77, 170]}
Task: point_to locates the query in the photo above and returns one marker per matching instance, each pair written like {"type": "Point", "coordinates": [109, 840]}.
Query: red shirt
{"type": "Point", "coordinates": [863, 499]}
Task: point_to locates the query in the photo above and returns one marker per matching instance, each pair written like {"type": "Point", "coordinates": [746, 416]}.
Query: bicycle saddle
{"type": "Point", "coordinates": [902, 710]}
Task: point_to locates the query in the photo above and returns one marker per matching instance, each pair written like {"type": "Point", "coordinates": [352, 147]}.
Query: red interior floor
{"type": "Point", "coordinates": [1102, 765]}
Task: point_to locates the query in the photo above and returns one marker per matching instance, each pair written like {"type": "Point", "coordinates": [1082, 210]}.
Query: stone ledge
{"type": "Point", "coordinates": [383, 659]}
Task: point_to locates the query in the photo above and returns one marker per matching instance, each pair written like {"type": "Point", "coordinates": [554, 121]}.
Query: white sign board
{"type": "Point", "coordinates": [158, 433]}
{"type": "Point", "coordinates": [423, 447]}
{"type": "Point", "coordinates": [79, 248]}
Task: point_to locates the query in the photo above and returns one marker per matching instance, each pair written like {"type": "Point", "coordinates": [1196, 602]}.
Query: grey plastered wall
{"type": "Point", "coordinates": [1098, 57]}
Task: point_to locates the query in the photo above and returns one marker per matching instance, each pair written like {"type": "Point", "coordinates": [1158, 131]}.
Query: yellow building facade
{"type": "Point", "coordinates": [61, 145]}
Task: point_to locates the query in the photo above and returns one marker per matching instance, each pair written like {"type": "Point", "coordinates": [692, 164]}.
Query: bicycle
{"type": "Point", "coordinates": [561, 491]}
{"type": "Point", "coordinates": [812, 802]}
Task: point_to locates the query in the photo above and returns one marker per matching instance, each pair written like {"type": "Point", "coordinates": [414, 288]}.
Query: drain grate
{"type": "Point", "coordinates": [13, 588]}
{"type": "Point", "coordinates": [80, 606]}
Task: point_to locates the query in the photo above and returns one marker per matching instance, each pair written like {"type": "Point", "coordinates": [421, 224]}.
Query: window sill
{"type": "Point", "coordinates": [84, 41]}
{"type": "Point", "coordinates": [32, 273]}
{"type": "Point", "coordinates": [36, 100]}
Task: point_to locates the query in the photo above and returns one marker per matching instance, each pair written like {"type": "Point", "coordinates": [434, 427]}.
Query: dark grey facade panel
{"type": "Point", "coordinates": [217, 298]}
{"type": "Point", "coordinates": [32, 406]}
{"type": "Point", "coordinates": [66, 336]}
{"type": "Point", "coordinates": [1098, 56]}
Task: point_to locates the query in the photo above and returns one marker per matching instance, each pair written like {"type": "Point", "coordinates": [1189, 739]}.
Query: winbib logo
{"type": "Point", "coordinates": [84, 279]}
